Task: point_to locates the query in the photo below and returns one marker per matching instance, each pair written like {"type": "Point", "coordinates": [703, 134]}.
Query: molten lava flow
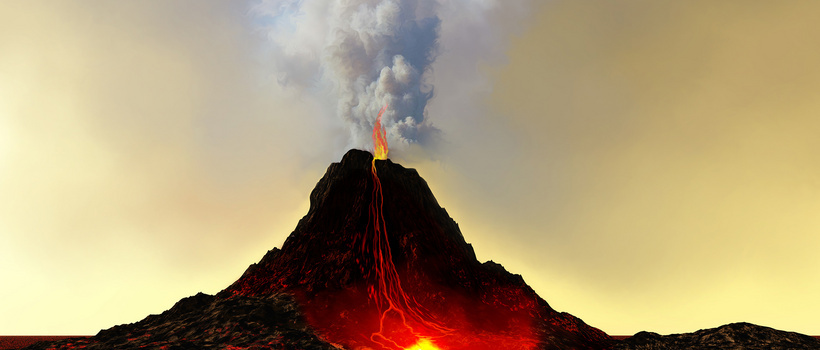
{"type": "Point", "coordinates": [423, 344]}
{"type": "Point", "coordinates": [399, 313]}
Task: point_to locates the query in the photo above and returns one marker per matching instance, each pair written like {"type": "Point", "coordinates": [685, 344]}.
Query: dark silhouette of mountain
{"type": "Point", "coordinates": [735, 336]}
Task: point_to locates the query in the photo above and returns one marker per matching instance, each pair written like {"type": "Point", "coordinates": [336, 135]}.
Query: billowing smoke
{"type": "Point", "coordinates": [362, 55]}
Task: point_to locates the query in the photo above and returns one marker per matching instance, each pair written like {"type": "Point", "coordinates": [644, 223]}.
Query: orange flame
{"type": "Point", "coordinates": [423, 344]}
{"type": "Point", "coordinates": [379, 138]}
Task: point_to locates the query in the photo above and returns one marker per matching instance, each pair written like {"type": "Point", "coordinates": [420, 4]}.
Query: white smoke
{"type": "Point", "coordinates": [359, 55]}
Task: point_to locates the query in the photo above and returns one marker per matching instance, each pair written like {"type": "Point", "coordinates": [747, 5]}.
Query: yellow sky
{"type": "Point", "coordinates": [670, 164]}
{"type": "Point", "coordinates": [644, 165]}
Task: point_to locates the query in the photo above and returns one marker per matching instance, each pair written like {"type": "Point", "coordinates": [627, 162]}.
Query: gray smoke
{"type": "Point", "coordinates": [359, 55]}
{"type": "Point", "coordinates": [363, 54]}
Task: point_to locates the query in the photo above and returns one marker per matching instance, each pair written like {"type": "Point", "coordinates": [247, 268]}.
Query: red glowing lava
{"type": "Point", "coordinates": [402, 320]}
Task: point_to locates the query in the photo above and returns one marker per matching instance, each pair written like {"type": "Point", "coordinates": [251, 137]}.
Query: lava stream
{"type": "Point", "coordinates": [388, 293]}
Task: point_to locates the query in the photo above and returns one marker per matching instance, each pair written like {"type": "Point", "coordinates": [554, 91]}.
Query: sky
{"type": "Point", "coordinates": [644, 165]}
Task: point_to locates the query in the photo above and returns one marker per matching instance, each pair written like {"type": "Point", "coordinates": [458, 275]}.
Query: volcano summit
{"type": "Point", "coordinates": [375, 264]}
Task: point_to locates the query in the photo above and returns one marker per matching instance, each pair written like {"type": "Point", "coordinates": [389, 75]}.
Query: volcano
{"type": "Point", "coordinates": [327, 266]}
{"type": "Point", "coordinates": [327, 287]}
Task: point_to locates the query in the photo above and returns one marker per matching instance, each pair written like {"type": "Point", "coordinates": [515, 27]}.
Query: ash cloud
{"type": "Point", "coordinates": [359, 55]}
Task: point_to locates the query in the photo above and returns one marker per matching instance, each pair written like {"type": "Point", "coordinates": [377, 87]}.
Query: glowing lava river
{"type": "Point", "coordinates": [408, 318]}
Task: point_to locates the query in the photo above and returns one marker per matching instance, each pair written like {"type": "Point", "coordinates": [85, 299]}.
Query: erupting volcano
{"type": "Point", "coordinates": [376, 264]}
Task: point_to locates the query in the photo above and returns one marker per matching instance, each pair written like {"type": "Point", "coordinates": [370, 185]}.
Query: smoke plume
{"type": "Point", "coordinates": [361, 55]}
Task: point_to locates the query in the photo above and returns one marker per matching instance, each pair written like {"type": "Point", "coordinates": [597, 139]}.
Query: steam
{"type": "Point", "coordinates": [361, 55]}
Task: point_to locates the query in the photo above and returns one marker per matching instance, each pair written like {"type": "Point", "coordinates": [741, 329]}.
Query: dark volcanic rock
{"type": "Point", "coordinates": [735, 336]}
{"type": "Point", "coordinates": [206, 322]}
